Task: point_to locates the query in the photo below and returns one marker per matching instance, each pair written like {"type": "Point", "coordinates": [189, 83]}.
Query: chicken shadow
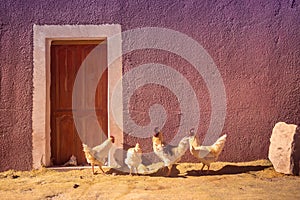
{"type": "Point", "coordinates": [162, 172]}
{"type": "Point", "coordinates": [228, 169]}
{"type": "Point", "coordinates": [118, 171]}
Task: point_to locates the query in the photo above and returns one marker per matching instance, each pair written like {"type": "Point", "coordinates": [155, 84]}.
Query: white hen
{"type": "Point", "coordinates": [170, 154]}
{"type": "Point", "coordinates": [134, 158]}
{"type": "Point", "coordinates": [97, 154]}
{"type": "Point", "coordinates": [206, 154]}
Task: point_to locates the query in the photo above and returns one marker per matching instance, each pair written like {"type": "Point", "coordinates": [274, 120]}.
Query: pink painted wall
{"type": "Point", "coordinates": [254, 44]}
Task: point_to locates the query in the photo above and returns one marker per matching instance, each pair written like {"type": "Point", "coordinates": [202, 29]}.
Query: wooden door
{"type": "Point", "coordinates": [66, 59]}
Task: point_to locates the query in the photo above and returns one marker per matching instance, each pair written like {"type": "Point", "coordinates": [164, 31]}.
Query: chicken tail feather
{"type": "Point", "coordinates": [218, 146]}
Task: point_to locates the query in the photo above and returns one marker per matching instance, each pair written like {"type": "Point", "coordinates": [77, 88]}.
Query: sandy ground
{"type": "Point", "coordinates": [251, 180]}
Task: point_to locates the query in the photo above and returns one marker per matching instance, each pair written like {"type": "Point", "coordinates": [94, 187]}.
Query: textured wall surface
{"type": "Point", "coordinates": [255, 45]}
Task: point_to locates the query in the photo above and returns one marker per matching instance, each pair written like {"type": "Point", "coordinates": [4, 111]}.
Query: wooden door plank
{"type": "Point", "coordinates": [65, 141]}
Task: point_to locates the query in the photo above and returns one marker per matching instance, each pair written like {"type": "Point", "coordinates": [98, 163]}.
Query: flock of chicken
{"type": "Point", "coordinates": [167, 153]}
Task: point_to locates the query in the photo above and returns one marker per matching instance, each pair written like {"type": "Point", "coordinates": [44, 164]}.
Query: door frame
{"type": "Point", "coordinates": [43, 35]}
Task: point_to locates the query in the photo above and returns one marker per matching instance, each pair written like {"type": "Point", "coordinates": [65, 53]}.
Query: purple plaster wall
{"type": "Point", "coordinates": [255, 45]}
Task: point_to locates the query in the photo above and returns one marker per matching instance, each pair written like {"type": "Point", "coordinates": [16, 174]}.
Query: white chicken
{"type": "Point", "coordinates": [206, 154]}
{"type": "Point", "coordinates": [134, 158]}
{"type": "Point", "coordinates": [97, 154]}
{"type": "Point", "coordinates": [169, 154]}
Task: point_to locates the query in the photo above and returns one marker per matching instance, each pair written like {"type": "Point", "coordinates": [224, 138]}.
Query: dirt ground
{"type": "Point", "coordinates": [250, 180]}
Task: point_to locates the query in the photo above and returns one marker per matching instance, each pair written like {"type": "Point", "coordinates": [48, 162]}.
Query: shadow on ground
{"type": "Point", "coordinates": [228, 169]}
{"type": "Point", "coordinates": [161, 172]}
{"type": "Point", "coordinates": [158, 170]}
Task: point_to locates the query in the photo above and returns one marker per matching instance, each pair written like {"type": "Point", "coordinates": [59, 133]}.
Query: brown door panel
{"type": "Point", "coordinates": [65, 141]}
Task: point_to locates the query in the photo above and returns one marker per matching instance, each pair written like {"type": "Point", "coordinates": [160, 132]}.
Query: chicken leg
{"type": "Point", "coordinates": [130, 171]}
{"type": "Point", "coordinates": [169, 170]}
{"type": "Point", "coordinates": [103, 172]}
{"type": "Point", "coordinates": [93, 169]}
{"type": "Point", "coordinates": [203, 165]}
{"type": "Point", "coordinates": [93, 172]}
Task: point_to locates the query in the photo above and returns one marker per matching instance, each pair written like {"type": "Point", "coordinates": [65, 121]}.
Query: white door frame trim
{"type": "Point", "coordinates": [42, 37]}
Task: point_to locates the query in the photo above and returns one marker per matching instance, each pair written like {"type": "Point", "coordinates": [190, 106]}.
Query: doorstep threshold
{"type": "Point", "coordinates": [67, 168]}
